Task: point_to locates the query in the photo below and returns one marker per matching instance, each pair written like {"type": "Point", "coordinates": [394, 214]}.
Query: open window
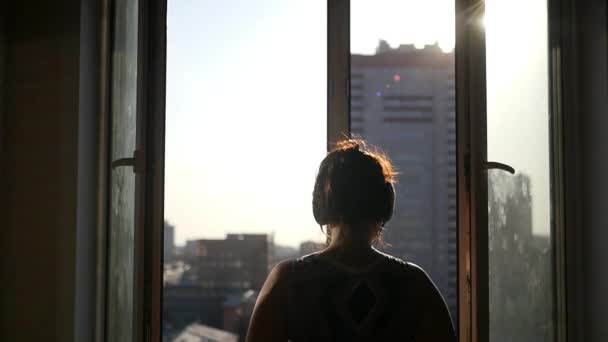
{"type": "Point", "coordinates": [509, 123]}
{"type": "Point", "coordinates": [446, 92]}
{"type": "Point", "coordinates": [393, 83]}
{"type": "Point", "coordinates": [246, 129]}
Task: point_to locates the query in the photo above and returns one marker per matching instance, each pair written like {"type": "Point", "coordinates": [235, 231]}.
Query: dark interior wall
{"type": "Point", "coordinates": [593, 97]}
{"type": "Point", "coordinates": [2, 74]}
{"type": "Point", "coordinates": [39, 167]}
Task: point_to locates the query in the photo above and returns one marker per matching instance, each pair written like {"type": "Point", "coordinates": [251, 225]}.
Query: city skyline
{"type": "Point", "coordinates": [246, 131]}
{"type": "Point", "coordinates": [403, 99]}
{"type": "Point", "coordinates": [226, 66]}
{"type": "Point", "coordinates": [209, 194]}
{"type": "Point", "coordinates": [172, 247]}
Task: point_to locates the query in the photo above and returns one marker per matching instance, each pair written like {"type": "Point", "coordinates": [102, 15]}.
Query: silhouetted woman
{"type": "Point", "coordinates": [350, 291]}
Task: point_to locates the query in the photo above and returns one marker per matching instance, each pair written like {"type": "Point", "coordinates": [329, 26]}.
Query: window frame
{"type": "Point", "coordinates": [338, 71]}
{"type": "Point", "coordinates": [149, 191]}
{"type": "Point", "coordinates": [564, 77]}
{"type": "Point", "coordinates": [339, 127]}
{"type": "Point", "coordinates": [473, 116]}
{"type": "Point", "coordinates": [472, 247]}
{"type": "Point", "coordinates": [154, 36]}
{"type": "Point", "coordinates": [138, 165]}
{"type": "Point", "coordinates": [562, 101]}
{"type": "Point", "coordinates": [472, 266]}
{"type": "Point", "coordinates": [472, 192]}
{"type": "Point", "coordinates": [103, 188]}
{"type": "Point", "coordinates": [470, 77]}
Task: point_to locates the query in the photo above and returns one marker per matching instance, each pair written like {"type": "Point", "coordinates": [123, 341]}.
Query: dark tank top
{"type": "Point", "coordinates": [327, 301]}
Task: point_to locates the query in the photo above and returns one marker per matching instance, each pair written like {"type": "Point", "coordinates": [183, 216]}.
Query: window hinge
{"type": "Point", "coordinates": [467, 171]}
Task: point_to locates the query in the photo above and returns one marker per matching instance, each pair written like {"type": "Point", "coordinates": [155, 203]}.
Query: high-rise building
{"type": "Point", "coordinates": [403, 100]}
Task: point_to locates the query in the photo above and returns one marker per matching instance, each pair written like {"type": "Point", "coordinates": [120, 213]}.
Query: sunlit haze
{"type": "Point", "coordinates": [518, 103]}
{"type": "Point", "coordinates": [246, 106]}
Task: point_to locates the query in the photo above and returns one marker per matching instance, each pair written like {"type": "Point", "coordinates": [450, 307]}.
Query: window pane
{"type": "Point", "coordinates": [246, 131]}
{"type": "Point", "coordinates": [519, 207]}
{"type": "Point", "coordinates": [122, 206]}
{"type": "Point", "coordinates": [403, 100]}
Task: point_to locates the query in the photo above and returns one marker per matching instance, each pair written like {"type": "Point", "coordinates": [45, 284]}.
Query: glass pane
{"type": "Point", "coordinates": [403, 100]}
{"type": "Point", "coordinates": [122, 208]}
{"type": "Point", "coordinates": [246, 130]}
{"type": "Point", "coordinates": [519, 206]}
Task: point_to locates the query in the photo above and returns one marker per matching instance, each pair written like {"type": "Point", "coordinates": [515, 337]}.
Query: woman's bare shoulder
{"type": "Point", "coordinates": [421, 278]}
{"type": "Point", "coordinates": [413, 274]}
{"type": "Point", "coordinates": [268, 318]}
{"type": "Point", "coordinates": [278, 277]}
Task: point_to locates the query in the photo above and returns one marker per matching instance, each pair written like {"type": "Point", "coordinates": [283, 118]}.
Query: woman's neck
{"type": "Point", "coordinates": [354, 251]}
{"type": "Point", "coordinates": [344, 241]}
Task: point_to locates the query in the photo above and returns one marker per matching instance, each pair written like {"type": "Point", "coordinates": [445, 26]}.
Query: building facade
{"type": "Point", "coordinates": [240, 261]}
{"type": "Point", "coordinates": [403, 100]}
{"type": "Point", "coordinates": [309, 247]}
{"type": "Point", "coordinates": [217, 274]}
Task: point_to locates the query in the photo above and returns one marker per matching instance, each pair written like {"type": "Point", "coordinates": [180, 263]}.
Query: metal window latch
{"type": "Point", "coordinates": [496, 165]}
{"type": "Point", "coordinates": [134, 162]}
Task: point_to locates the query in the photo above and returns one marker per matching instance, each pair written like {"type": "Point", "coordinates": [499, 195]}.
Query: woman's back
{"type": "Point", "coordinates": [329, 301]}
{"type": "Point", "coordinates": [316, 298]}
{"type": "Point", "coordinates": [350, 291]}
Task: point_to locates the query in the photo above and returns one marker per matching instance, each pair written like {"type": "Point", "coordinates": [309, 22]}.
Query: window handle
{"type": "Point", "coordinates": [134, 162]}
{"type": "Point", "coordinates": [496, 165]}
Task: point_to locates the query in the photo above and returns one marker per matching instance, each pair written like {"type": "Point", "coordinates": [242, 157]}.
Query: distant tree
{"type": "Point", "coordinates": [382, 47]}
{"type": "Point", "coordinates": [521, 288]}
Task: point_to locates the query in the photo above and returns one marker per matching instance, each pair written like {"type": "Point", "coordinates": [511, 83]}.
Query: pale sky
{"type": "Point", "coordinates": [518, 96]}
{"type": "Point", "coordinates": [245, 117]}
{"type": "Point", "coordinates": [246, 106]}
